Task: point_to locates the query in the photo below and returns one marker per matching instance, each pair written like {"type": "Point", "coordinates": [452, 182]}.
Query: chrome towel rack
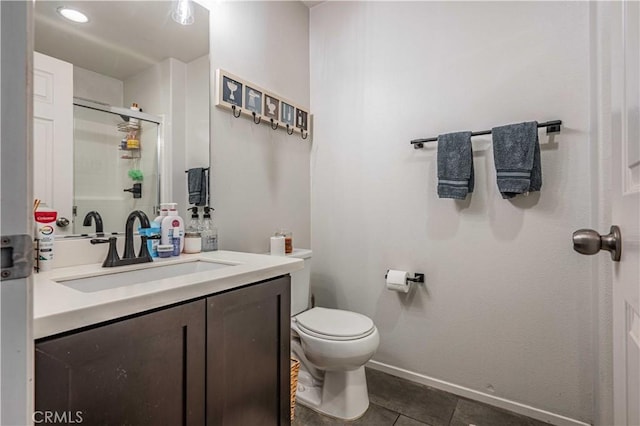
{"type": "Point", "coordinates": [552, 127]}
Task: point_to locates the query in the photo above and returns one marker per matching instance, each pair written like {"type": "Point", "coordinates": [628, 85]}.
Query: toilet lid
{"type": "Point", "coordinates": [335, 323]}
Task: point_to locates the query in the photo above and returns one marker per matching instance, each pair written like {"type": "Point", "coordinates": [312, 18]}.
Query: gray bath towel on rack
{"type": "Point", "coordinates": [197, 185]}
{"type": "Point", "coordinates": [516, 153]}
{"type": "Point", "coordinates": [455, 165]}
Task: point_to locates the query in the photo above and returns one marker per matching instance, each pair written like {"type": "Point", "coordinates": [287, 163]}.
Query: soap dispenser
{"type": "Point", "coordinates": [194, 224]}
{"type": "Point", "coordinates": [209, 232]}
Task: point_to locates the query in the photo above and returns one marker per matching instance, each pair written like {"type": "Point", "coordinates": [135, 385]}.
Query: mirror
{"type": "Point", "coordinates": [101, 144]}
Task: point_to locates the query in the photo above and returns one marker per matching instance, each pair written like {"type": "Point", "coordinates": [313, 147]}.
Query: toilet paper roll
{"type": "Point", "coordinates": [277, 246]}
{"type": "Point", "coordinates": [397, 281]}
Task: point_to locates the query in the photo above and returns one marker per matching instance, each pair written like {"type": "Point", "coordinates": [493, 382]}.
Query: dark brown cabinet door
{"type": "Point", "coordinates": [248, 344]}
{"type": "Point", "coordinates": [145, 370]}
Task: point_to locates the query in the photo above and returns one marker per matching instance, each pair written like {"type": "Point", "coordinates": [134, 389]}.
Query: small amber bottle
{"type": "Point", "coordinates": [288, 240]}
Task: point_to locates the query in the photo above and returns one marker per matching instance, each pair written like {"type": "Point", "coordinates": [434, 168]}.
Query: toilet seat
{"type": "Point", "coordinates": [334, 324]}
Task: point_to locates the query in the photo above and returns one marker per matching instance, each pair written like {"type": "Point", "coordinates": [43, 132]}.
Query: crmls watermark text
{"type": "Point", "coordinates": [53, 417]}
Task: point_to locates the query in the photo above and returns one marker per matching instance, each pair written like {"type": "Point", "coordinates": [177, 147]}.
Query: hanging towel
{"type": "Point", "coordinates": [197, 186]}
{"type": "Point", "coordinates": [455, 165]}
{"type": "Point", "coordinates": [516, 153]}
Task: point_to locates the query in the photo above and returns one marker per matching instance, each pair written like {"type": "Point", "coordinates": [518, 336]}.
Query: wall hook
{"type": "Point", "coordinates": [289, 132]}
{"type": "Point", "coordinates": [277, 124]}
{"type": "Point", "coordinates": [254, 118]}
{"type": "Point", "coordinates": [233, 107]}
{"type": "Point", "coordinates": [302, 134]}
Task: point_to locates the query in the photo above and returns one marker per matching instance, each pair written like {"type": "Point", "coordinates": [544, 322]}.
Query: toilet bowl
{"type": "Point", "coordinates": [333, 345]}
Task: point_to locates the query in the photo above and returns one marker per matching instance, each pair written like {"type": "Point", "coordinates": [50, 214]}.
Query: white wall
{"type": "Point", "coordinates": [507, 306]}
{"type": "Point", "coordinates": [160, 90]}
{"type": "Point", "coordinates": [260, 177]}
{"type": "Point", "coordinates": [97, 87]}
{"type": "Point", "coordinates": [198, 97]}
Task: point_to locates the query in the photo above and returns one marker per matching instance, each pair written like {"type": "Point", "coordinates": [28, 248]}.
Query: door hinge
{"type": "Point", "coordinates": [17, 257]}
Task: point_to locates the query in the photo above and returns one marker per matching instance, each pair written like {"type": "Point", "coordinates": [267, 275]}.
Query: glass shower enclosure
{"type": "Point", "coordinates": [116, 164]}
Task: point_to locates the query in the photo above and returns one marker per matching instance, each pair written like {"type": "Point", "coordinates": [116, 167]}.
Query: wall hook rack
{"type": "Point", "coordinates": [242, 97]}
{"type": "Point", "coordinates": [552, 127]}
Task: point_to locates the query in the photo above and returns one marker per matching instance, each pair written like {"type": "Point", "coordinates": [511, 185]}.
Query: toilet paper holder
{"type": "Point", "coordinates": [417, 277]}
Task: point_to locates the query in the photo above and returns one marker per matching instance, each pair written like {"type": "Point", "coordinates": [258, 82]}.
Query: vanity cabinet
{"type": "Point", "coordinates": [248, 356]}
{"type": "Point", "coordinates": [217, 360]}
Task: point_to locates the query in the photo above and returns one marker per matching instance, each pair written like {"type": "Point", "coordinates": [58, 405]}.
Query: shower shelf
{"type": "Point", "coordinates": [129, 154]}
{"type": "Point", "coordinates": [127, 127]}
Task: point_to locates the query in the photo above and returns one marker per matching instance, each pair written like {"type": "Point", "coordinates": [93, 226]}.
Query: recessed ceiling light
{"type": "Point", "coordinates": [73, 15]}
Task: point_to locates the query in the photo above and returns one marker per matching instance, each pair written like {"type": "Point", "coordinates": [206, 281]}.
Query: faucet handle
{"type": "Point", "coordinates": [95, 241]}
{"type": "Point", "coordinates": [112, 256]}
{"type": "Point", "coordinates": [144, 250]}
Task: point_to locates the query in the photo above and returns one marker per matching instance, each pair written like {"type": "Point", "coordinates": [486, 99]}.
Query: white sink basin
{"type": "Point", "coordinates": [139, 276]}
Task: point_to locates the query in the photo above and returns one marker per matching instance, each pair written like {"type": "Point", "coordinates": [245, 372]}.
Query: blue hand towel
{"type": "Point", "coordinates": [516, 153]}
{"type": "Point", "coordinates": [197, 185]}
{"type": "Point", "coordinates": [455, 165]}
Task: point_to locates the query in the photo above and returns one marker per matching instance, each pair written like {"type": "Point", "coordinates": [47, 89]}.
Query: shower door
{"type": "Point", "coordinates": [115, 159]}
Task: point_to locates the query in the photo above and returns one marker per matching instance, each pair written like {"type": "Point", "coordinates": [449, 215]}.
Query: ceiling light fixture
{"type": "Point", "coordinates": [73, 15]}
{"type": "Point", "coordinates": [182, 12]}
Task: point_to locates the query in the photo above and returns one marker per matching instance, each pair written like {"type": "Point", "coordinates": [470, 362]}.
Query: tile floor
{"type": "Point", "coordinates": [398, 402]}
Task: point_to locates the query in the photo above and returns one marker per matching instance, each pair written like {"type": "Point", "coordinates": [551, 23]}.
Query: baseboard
{"type": "Point", "coordinates": [506, 404]}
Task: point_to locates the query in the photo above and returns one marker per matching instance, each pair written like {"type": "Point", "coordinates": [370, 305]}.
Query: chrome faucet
{"type": "Point", "coordinates": [97, 219]}
{"type": "Point", "coordinates": [129, 257]}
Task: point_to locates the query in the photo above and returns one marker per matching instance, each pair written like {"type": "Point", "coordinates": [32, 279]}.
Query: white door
{"type": "Point", "coordinates": [626, 213]}
{"type": "Point", "coordinates": [16, 341]}
{"type": "Point", "coordinates": [53, 135]}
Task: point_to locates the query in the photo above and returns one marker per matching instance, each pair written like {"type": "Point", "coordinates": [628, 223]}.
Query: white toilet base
{"type": "Point", "coordinates": [343, 394]}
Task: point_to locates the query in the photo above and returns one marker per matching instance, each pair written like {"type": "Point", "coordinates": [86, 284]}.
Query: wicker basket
{"type": "Point", "coordinates": [295, 367]}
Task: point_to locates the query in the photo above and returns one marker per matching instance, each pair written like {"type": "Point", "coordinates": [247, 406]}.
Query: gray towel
{"type": "Point", "coordinates": [197, 185]}
{"type": "Point", "coordinates": [516, 153]}
{"type": "Point", "coordinates": [455, 165]}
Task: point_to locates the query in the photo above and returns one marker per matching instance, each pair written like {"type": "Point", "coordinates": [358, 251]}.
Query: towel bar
{"type": "Point", "coordinates": [552, 127]}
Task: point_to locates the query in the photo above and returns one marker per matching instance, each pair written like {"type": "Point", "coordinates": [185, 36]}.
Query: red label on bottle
{"type": "Point", "coordinates": [175, 223]}
{"type": "Point", "coordinates": [45, 217]}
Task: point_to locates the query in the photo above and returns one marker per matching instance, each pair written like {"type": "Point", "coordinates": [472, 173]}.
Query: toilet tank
{"type": "Point", "coordinates": [300, 282]}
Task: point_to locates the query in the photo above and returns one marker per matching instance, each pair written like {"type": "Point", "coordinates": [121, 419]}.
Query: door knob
{"type": "Point", "coordinates": [62, 222]}
{"type": "Point", "coordinates": [588, 241]}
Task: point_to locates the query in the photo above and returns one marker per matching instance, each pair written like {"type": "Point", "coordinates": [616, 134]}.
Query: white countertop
{"type": "Point", "coordinates": [58, 308]}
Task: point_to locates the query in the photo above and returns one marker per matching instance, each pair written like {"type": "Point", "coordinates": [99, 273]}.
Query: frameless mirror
{"type": "Point", "coordinates": [111, 97]}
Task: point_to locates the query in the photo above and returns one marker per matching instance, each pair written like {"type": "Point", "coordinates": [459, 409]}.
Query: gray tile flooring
{"type": "Point", "coordinates": [398, 402]}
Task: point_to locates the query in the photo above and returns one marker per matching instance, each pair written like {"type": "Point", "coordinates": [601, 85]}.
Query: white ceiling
{"type": "Point", "coordinates": [121, 38]}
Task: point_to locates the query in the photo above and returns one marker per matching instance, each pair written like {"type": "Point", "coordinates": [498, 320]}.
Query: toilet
{"type": "Point", "coordinates": [332, 345]}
